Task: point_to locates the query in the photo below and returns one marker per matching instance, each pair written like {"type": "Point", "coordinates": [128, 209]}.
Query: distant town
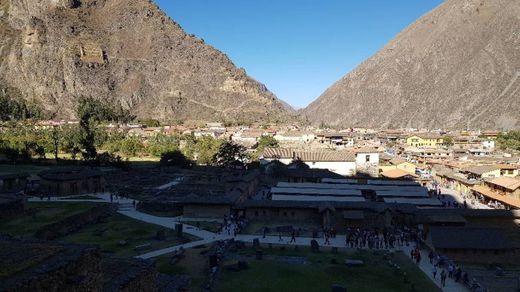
{"type": "Point", "coordinates": [237, 190]}
{"type": "Point", "coordinates": [136, 156]}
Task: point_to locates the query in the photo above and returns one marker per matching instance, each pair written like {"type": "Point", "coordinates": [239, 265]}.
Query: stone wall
{"type": "Point", "coordinates": [75, 222]}
{"type": "Point", "coordinates": [31, 265]}
{"type": "Point", "coordinates": [65, 267]}
{"type": "Point", "coordinates": [284, 215]}
{"type": "Point", "coordinates": [11, 206]}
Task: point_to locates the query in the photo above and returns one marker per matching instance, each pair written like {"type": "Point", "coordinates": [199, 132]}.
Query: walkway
{"type": "Point", "coordinates": [426, 267]}
{"type": "Point", "coordinates": [126, 208]}
{"type": "Point", "coordinates": [457, 196]}
{"type": "Point", "coordinates": [170, 184]}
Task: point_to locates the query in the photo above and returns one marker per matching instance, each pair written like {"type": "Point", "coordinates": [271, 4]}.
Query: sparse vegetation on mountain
{"type": "Point", "coordinates": [509, 140]}
{"type": "Point", "coordinates": [456, 67]}
{"type": "Point", "coordinates": [126, 53]}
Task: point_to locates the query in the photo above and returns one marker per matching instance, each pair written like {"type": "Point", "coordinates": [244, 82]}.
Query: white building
{"type": "Point", "coordinates": [488, 144]}
{"type": "Point", "coordinates": [295, 137]}
{"type": "Point", "coordinates": [367, 161]}
{"type": "Point", "coordinates": [340, 162]}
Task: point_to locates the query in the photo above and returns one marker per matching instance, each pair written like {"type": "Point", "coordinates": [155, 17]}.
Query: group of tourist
{"type": "Point", "coordinates": [232, 225]}
{"type": "Point", "coordinates": [448, 270]}
{"type": "Point", "coordinates": [434, 191]}
{"type": "Point", "coordinates": [379, 239]}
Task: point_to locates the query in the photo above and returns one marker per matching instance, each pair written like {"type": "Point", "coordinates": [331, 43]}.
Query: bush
{"type": "Point", "coordinates": [175, 158]}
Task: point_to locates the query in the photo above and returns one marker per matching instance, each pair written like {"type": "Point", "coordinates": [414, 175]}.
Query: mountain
{"type": "Point", "coordinates": [128, 52]}
{"type": "Point", "coordinates": [456, 67]}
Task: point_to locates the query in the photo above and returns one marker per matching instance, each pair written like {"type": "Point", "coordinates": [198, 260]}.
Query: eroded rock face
{"type": "Point", "coordinates": [456, 67]}
{"type": "Point", "coordinates": [126, 51]}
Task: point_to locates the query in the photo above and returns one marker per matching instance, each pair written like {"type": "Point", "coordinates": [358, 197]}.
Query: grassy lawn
{"type": "Point", "coordinates": [193, 264]}
{"type": "Point", "coordinates": [40, 214]}
{"type": "Point", "coordinates": [85, 197]}
{"type": "Point", "coordinates": [162, 213]}
{"type": "Point", "coordinates": [206, 225]}
{"type": "Point", "coordinates": [107, 236]}
{"type": "Point", "coordinates": [319, 274]}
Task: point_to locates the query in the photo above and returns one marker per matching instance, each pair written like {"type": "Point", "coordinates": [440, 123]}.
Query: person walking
{"type": "Point", "coordinates": [293, 237]}
{"type": "Point", "coordinates": [443, 278]}
{"type": "Point", "coordinates": [450, 271]}
{"type": "Point", "coordinates": [434, 272]}
{"type": "Point", "coordinates": [280, 237]}
{"type": "Point", "coordinates": [418, 256]}
{"type": "Point", "coordinates": [431, 256]}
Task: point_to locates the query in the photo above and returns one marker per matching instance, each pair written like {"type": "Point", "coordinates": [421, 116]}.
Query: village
{"type": "Point", "coordinates": [450, 197]}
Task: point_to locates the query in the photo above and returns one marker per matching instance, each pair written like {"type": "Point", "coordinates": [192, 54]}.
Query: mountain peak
{"type": "Point", "coordinates": [128, 52]}
{"type": "Point", "coordinates": [456, 67]}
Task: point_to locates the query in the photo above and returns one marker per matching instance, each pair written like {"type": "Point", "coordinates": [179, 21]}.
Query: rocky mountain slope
{"type": "Point", "coordinates": [128, 52]}
{"type": "Point", "coordinates": [456, 67]}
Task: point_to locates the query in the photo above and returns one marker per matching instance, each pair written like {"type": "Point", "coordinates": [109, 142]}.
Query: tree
{"type": "Point", "coordinates": [13, 107]}
{"type": "Point", "coordinates": [90, 112]}
{"type": "Point", "coordinates": [110, 159]}
{"type": "Point", "coordinates": [55, 136]}
{"type": "Point", "coordinates": [175, 158]}
{"type": "Point", "coordinates": [298, 163]}
{"type": "Point", "coordinates": [230, 154]}
{"type": "Point", "coordinates": [509, 140]}
{"type": "Point", "coordinates": [70, 141]}
{"type": "Point", "coordinates": [131, 146]}
{"type": "Point", "coordinates": [267, 142]}
{"type": "Point", "coordinates": [161, 144]}
{"type": "Point", "coordinates": [151, 123]}
{"type": "Point", "coordinates": [206, 148]}
{"type": "Point", "coordinates": [448, 141]}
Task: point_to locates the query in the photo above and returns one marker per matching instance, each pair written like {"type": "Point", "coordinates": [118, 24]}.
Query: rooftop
{"type": "Point", "coordinates": [468, 238]}
{"type": "Point", "coordinates": [480, 169]}
{"type": "Point", "coordinates": [510, 201]}
{"type": "Point", "coordinates": [311, 156]}
{"type": "Point", "coordinates": [506, 182]}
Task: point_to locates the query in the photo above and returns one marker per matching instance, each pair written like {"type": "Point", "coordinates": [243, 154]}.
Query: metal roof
{"type": "Point", "coordinates": [307, 198]}
{"type": "Point", "coordinates": [423, 202]}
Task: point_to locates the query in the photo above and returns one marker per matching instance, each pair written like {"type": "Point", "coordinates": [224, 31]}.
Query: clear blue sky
{"type": "Point", "coordinates": [298, 48]}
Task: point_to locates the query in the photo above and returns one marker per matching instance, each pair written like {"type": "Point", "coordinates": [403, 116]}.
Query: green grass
{"type": "Point", "coordinates": [40, 214]}
{"type": "Point", "coordinates": [193, 264]}
{"type": "Point", "coordinates": [85, 197]}
{"type": "Point", "coordinates": [107, 236]}
{"type": "Point", "coordinates": [206, 225]}
{"type": "Point", "coordinates": [319, 274]}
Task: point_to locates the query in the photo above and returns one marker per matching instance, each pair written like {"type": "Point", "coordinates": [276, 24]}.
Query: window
{"type": "Point", "coordinates": [367, 158]}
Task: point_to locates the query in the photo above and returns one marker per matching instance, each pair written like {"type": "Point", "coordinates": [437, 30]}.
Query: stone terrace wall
{"type": "Point", "coordinates": [70, 268]}
{"type": "Point", "coordinates": [75, 222]}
